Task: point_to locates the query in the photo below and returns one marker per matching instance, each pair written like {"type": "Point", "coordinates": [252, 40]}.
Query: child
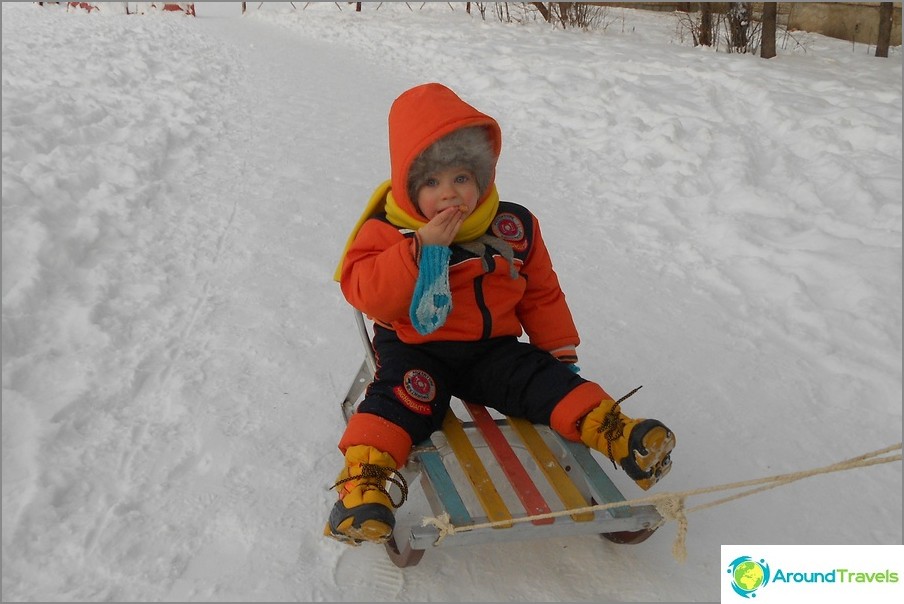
{"type": "Point", "coordinates": [451, 275]}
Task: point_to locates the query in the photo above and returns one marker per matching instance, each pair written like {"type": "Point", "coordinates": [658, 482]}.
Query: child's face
{"type": "Point", "coordinates": [447, 188]}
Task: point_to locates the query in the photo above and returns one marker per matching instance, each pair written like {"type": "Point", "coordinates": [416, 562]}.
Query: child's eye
{"type": "Point", "coordinates": [431, 182]}
{"type": "Point", "coordinates": [462, 178]}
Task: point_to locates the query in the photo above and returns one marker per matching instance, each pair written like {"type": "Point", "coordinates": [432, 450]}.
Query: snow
{"type": "Point", "coordinates": [176, 192]}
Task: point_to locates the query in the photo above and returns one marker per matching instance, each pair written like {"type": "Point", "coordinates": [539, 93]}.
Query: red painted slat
{"type": "Point", "coordinates": [511, 466]}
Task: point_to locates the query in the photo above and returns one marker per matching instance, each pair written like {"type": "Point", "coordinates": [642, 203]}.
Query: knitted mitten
{"type": "Point", "coordinates": [432, 300]}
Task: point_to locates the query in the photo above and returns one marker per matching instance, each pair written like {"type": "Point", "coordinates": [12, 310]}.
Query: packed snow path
{"type": "Point", "coordinates": [195, 329]}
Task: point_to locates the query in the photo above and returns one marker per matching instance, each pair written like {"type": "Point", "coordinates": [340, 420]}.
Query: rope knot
{"type": "Point", "coordinates": [671, 507]}
{"type": "Point", "coordinates": [444, 525]}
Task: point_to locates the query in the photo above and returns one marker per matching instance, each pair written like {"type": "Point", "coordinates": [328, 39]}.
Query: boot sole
{"type": "Point", "coordinates": [367, 522]}
{"type": "Point", "coordinates": [651, 460]}
{"type": "Point", "coordinates": [370, 531]}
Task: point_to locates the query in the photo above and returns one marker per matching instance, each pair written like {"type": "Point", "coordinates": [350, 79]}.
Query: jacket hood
{"type": "Point", "coordinates": [418, 118]}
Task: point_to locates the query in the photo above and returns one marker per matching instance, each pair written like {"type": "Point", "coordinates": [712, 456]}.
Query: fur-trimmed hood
{"type": "Point", "coordinates": [420, 117]}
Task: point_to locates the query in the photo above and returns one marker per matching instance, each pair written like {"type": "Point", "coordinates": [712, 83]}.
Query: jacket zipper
{"type": "Point", "coordinates": [484, 311]}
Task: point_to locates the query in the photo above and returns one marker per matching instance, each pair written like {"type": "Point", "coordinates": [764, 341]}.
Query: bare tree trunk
{"type": "Point", "coordinates": [885, 16]}
{"type": "Point", "coordinates": [706, 24]}
{"type": "Point", "coordinates": [767, 45]}
{"type": "Point", "coordinates": [738, 25]}
{"type": "Point", "coordinates": [468, 7]}
{"type": "Point", "coordinates": [565, 13]}
{"type": "Point", "coordinates": [543, 10]}
{"type": "Point", "coordinates": [357, 7]}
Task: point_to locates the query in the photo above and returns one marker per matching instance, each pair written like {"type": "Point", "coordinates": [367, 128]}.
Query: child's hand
{"type": "Point", "coordinates": [443, 227]}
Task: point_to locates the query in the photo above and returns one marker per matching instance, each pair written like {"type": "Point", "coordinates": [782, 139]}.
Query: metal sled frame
{"type": "Point", "coordinates": [495, 469]}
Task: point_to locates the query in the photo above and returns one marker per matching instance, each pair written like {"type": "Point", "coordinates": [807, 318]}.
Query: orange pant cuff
{"type": "Point", "coordinates": [379, 433]}
{"type": "Point", "coordinates": [576, 404]}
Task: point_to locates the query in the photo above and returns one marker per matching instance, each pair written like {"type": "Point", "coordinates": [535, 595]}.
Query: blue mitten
{"type": "Point", "coordinates": [432, 300]}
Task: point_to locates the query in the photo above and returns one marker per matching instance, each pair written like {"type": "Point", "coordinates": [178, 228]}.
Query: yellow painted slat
{"type": "Point", "coordinates": [555, 474]}
{"type": "Point", "coordinates": [474, 469]}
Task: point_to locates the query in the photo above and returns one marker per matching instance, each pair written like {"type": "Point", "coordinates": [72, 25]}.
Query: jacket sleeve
{"type": "Point", "coordinates": [379, 272]}
{"type": "Point", "coordinates": [543, 311]}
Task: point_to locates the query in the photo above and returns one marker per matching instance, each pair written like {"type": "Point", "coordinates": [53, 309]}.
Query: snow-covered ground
{"type": "Point", "coordinates": [176, 192]}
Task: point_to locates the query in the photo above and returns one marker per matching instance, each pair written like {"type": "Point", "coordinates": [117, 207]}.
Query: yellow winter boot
{"type": "Point", "coordinates": [364, 510]}
{"type": "Point", "coordinates": [642, 447]}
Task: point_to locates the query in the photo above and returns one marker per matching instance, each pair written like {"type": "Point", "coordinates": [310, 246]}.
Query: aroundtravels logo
{"type": "Point", "coordinates": [748, 575]}
{"type": "Point", "coordinates": [795, 573]}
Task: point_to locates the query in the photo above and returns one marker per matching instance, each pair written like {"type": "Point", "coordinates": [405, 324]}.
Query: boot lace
{"type": "Point", "coordinates": [373, 477]}
{"type": "Point", "coordinates": [613, 425]}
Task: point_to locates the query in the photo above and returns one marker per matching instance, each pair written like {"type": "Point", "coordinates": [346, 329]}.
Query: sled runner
{"type": "Point", "coordinates": [483, 467]}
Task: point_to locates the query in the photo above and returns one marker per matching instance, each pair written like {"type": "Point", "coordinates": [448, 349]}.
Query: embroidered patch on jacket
{"type": "Point", "coordinates": [510, 229]}
{"type": "Point", "coordinates": [416, 391]}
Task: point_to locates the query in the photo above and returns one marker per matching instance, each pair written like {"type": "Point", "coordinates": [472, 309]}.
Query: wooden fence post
{"type": "Point", "coordinates": [886, 10]}
{"type": "Point", "coordinates": [767, 43]}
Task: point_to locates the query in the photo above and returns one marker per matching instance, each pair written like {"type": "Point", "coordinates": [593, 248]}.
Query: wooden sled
{"type": "Point", "coordinates": [488, 468]}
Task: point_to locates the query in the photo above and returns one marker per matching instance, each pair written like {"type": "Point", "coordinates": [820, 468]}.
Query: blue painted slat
{"type": "Point", "coordinates": [445, 488]}
{"type": "Point", "coordinates": [599, 482]}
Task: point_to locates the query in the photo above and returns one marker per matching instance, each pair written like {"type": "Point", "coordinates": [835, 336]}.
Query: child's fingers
{"type": "Point", "coordinates": [441, 230]}
{"type": "Point", "coordinates": [450, 217]}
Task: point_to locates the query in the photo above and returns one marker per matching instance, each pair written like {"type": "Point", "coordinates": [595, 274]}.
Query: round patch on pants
{"type": "Point", "coordinates": [417, 390]}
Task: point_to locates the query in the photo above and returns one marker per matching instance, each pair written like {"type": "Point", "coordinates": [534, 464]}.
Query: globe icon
{"type": "Point", "coordinates": [748, 575]}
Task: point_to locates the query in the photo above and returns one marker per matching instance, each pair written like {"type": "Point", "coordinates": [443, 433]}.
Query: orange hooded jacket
{"type": "Point", "coordinates": [378, 271]}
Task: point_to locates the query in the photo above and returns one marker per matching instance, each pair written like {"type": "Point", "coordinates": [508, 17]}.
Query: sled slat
{"type": "Point", "coordinates": [480, 480]}
{"type": "Point", "coordinates": [601, 485]}
{"type": "Point", "coordinates": [514, 470]}
{"type": "Point", "coordinates": [445, 489]}
{"type": "Point", "coordinates": [546, 460]}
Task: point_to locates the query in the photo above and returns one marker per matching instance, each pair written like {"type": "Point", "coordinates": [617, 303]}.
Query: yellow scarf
{"type": "Point", "coordinates": [382, 199]}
